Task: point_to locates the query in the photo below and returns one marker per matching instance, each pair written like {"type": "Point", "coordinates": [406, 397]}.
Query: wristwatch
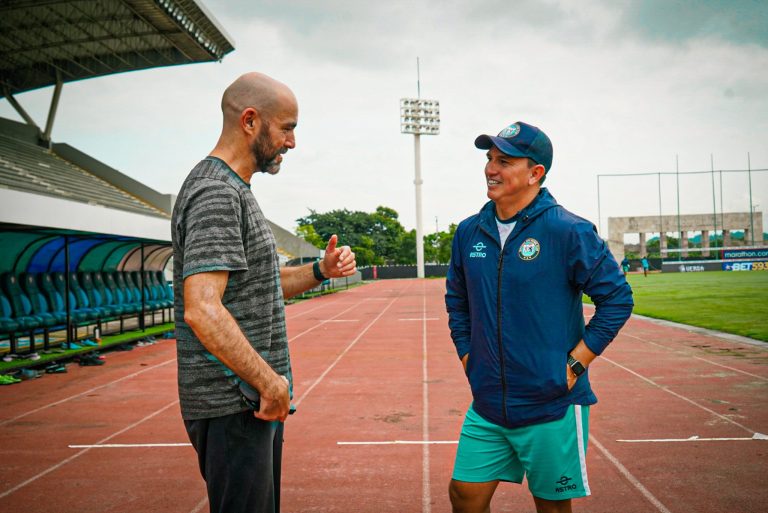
{"type": "Point", "coordinates": [576, 366]}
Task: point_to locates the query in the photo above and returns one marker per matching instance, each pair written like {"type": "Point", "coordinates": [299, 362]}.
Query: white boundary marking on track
{"type": "Point", "coordinates": [320, 323]}
{"type": "Point", "coordinates": [128, 446]}
{"type": "Point", "coordinates": [690, 353]}
{"type": "Point", "coordinates": [308, 310]}
{"type": "Point", "coordinates": [421, 319]}
{"type": "Point", "coordinates": [628, 475]}
{"type": "Point", "coordinates": [665, 389]}
{"type": "Point", "coordinates": [342, 320]}
{"type": "Point", "coordinates": [17, 417]}
{"type": "Point", "coordinates": [426, 497]}
{"type": "Point", "coordinates": [346, 350]}
{"type": "Point", "coordinates": [403, 442]}
{"type": "Point", "coordinates": [200, 505]}
{"type": "Point", "coordinates": [695, 438]}
{"type": "Point", "coordinates": [83, 451]}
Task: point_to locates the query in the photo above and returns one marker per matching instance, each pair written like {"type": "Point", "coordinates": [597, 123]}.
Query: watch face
{"type": "Point", "coordinates": [576, 366]}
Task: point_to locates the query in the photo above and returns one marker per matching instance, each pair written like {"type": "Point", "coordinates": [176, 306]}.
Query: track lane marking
{"type": "Point", "coordinates": [347, 349]}
{"type": "Point", "coordinates": [426, 497]}
{"type": "Point", "coordinates": [692, 355]}
{"type": "Point", "coordinates": [17, 417]}
{"type": "Point", "coordinates": [629, 477]}
{"type": "Point", "coordinates": [83, 451]}
{"type": "Point", "coordinates": [129, 446]}
{"type": "Point", "coordinates": [695, 438]}
{"type": "Point", "coordinates": [680, 396]}
{"type": "Point", "coordinates": [402, 442]}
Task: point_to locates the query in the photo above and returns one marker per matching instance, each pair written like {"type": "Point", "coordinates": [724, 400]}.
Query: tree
{"type": "Point", "coordinates": [308, 233]}
{"type": "Point", "coordinates": [377, 238]}
{"type": "Point", "coordinates": [437, 246]}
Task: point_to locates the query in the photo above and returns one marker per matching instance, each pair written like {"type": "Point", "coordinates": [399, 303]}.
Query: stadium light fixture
{"type": "Point", "coordinates": [419, 117]}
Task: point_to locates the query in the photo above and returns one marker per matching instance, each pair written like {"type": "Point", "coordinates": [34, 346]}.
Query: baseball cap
{"type": "Point", "coordinates": [520, 140]}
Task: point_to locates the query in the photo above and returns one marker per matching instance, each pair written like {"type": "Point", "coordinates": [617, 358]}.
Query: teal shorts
{"type": "Point", "coordinates": [551, 455]}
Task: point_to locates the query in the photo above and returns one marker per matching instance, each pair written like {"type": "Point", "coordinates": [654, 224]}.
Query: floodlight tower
{"type": "Point", "coordinates": [417, 117]}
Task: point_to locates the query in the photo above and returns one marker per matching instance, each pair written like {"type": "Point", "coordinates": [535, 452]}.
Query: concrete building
{"type": "Point", "coordinates": [702, 223]}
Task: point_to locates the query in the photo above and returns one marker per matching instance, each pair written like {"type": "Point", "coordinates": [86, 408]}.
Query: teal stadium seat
{"type": "Point", "coordinates": [21, 307]}
{"type": "Point", "coordinates": [56, 299]}
{"type": "Point", "coordinates": [8, 326]}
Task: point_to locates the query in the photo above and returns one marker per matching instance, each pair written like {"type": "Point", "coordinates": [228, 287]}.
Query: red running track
{"type": "Point", "coordinates": [376, 378]}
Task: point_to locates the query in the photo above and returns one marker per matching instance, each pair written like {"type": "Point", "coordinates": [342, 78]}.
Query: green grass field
{"type": "Point", "coordinates": [734, 302]}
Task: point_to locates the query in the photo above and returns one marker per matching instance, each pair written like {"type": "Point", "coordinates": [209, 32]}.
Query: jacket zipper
{"type": "Point", "coordinates": [498, 334]}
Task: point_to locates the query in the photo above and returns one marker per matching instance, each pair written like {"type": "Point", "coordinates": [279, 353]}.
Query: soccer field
{"type": "Point", "coordinates": [734, 302]}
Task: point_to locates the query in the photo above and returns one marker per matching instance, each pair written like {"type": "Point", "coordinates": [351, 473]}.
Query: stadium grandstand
{"type": "Point", "coordinates": [86, 251]}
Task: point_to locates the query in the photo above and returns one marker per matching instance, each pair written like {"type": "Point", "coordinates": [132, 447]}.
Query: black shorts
{"type": "Point", "coordinates": [239, 457]}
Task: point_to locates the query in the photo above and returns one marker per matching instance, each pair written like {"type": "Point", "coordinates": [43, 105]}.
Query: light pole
{"type": "Point", "coordinates": [417, 117]}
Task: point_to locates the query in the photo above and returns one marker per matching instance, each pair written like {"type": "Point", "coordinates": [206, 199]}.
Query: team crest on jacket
{"type": "Point", "coordinates": [529, 249]}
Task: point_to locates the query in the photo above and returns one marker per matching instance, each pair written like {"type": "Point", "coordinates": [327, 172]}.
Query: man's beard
{"type": "Point", "coordinates": [265, 155]}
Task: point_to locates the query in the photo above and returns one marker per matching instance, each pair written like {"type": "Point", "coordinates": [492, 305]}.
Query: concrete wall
{"type": "Point", "coordinates": [704, 223]}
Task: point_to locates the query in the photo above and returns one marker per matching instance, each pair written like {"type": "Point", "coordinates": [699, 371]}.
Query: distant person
{"type": "Point", "coordinates": [514, 298]}
{"type": "Point", "coordinates": [625, 266]}
{"type": "Point", "coordinates": [646, 266]}
{"type": "Point", "coordinates": [229, 300]}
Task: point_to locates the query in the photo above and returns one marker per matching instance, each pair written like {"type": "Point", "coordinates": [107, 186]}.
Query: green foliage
{"type": "Point", "coordinates": [308, 233]}
{"type": "Point", "coordinates": [377, 238]}
{"type": "Point", "coordinates": [733, 302]}
{"type": "Point", "coordinates": [437, 246]}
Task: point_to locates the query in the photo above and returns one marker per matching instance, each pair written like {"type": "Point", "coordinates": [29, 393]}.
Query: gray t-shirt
{"type": "Point", "coordinates": [217, 225]}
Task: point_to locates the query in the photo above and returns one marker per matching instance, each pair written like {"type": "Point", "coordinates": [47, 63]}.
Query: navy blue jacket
{"type": "Point", "coordinates": [517, 310]}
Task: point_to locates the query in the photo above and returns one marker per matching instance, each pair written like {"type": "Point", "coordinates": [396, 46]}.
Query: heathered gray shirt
{"type": "Point", "coordinates": [217, 225]}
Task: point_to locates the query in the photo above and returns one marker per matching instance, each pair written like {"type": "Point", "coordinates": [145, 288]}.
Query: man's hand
{"type": "Point", "coordinates": [274, 400]}
{"type": "Point", "coordinates": [570, 377]}
{"type": "Point", "coordinates": [464, 361]}
{"type": "Point", "coordinates": [338, 262]}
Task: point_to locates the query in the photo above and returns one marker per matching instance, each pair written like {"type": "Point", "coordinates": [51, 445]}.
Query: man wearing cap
{"type": "Point", "coordinates": [518, 270]}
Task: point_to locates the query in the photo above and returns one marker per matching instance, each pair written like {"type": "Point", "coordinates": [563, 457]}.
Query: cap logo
{"type": "Point", "coordinates": [511, 131]}
{"type": "Point", "coordinates": [529, 249]}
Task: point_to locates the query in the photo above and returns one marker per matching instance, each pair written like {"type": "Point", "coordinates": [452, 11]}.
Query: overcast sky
{"type": "Point", "coordinates": [619, 86]}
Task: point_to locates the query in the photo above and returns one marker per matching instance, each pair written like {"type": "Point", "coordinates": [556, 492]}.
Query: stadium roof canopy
{"type": "Point", "coordinates": [49, 42]}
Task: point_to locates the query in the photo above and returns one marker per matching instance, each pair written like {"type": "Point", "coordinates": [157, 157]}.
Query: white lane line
{"type": "Point", "coordinates": [321, 323]}
{"type": "Point", "coordinates": [83, 451]}
{"type": "Point", "coordinates": [142, 371]}
{"type": "Point", "coordinates": [403, 442]}
{"type": "Point", "coordinates": [342, 320]}
{"type": "Point", "coordinates": [695, 438]}
{"type": "Point", "coordinates": [679, 396]}
{"type": "Point", "coordinates": [628, 475]}
{"type": "Point", "coordinates": [346, 350]}
{"type": "Point", "coordinates": [421, 319]}
{"type": "Point", "coordinates": [691, 354]}
{"type": "Point", "coordinates": [200, 505]}
{"type": "Point", "coordinates": [128, 446]}
{"type": "Point", "coordinates": [426, 498]}
{"type": "Point", "coordinates": [731, 368]}
{"type": "Point", "coordinates": [309, 310]}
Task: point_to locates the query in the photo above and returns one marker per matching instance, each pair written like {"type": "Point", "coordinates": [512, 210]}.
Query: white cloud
{"type": "Point", "coordinates": [612, 98]}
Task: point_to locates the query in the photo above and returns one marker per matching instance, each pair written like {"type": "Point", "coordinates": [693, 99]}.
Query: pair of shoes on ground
{"type": "Point", "coordinates": [72, 345]}
{"type": "Point", "coordinates": [10, 357]}
{"type": "Point", "coordinates": [27, 374]}
{"type": "Point", "coordinates": [56, 368]}
{"type": "Point", "coordinates": [88, 342]}
{"type": "Point", "coordinates": [88, 360]}
{"type": "Point", "coordinates": [7, 379]}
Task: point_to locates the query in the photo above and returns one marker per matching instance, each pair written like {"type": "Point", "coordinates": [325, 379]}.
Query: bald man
{"type": "Point", "coordinates": [234, 366]}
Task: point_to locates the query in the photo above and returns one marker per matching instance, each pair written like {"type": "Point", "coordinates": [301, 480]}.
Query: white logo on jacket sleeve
{"type": "Point", "coordinates": [478, 251]}
{"type": "Point", "coordinates": [529, 249]}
